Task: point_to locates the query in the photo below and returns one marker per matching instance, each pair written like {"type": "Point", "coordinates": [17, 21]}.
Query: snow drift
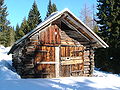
{"type": "Point", "coordinates": [6, 70]}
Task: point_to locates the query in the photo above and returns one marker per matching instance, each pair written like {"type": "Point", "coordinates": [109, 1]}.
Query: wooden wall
{"type": "Point", "coordinates": [44, 61]}
{"type": "Point", "coordinates": [36, 55]}
{"type": "Point", "coordinates": [72, 61]}
{"type": "Point", "coordinates": [50, 36]}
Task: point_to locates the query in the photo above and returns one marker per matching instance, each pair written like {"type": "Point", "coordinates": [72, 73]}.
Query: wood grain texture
{"type": "Point", "coordinates": [37, 57]}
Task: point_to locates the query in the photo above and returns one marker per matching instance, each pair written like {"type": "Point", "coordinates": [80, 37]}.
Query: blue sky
{"type": "Point", "coordinates": [18, 9]}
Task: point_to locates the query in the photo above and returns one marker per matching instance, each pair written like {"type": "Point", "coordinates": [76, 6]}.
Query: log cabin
{"type": "Point", "coordinates": [60, 46]}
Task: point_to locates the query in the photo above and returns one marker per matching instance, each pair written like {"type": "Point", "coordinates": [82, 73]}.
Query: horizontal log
{"type": "Point", "coordinates": [86, 59]}
{"type": "Point", "coordinates": [72, 46]}
{"type": "Point", "coordinates": [42, 51]}
{"type": "Point", "coordinates": [30, 50]}
{"type": "Point", "coordinates": [29, 67]}
{"type": "Point", "coordinates": [67, 43]}
{"type": "Point", "coordinates": [77, 51]}
{"type": "Point", "coordinates": [46, 62]}
{"type": "Point", "coordinates": [92, 57]}
{"type": "Point", "coordinates": [71, 58]}
{"type": "Point", "coordinates": [86, 75]}
{"type": "Point", "coordinates": [86, 71]}
{"type": "Point", "coordinates": [30, 46]}
{"type": "Point", "coordinates": [87, 64]}
{"type": "Point", "coordinates": [69, 62]}
{"type": "Point", "coordinates": [47, 45]}
{"type": "Point", "coordinates": [34, 41]}
{"type": "Point", "coordinates": [91, 61]}
{"type": "Point", "coordinates": [86, 68]}
{"type": "Point", "coordinates": [75, 58]}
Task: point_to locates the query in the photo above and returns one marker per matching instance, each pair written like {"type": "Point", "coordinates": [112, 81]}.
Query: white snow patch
{"type": "Point", "coordinates": [4, 56]}
{"type": "Point", "coordinates": [6, 68]}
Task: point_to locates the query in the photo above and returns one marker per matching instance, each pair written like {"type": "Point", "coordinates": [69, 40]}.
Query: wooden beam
{"type": "Point", "coordinates": [77, 25]}
{"type": "Point", "coordinates": [46, 62]}
{"type": "Point", "coordinates": [71, 58]}
{"type": "Point", "coordinates": [68, 23]}
{"type": "Point", "coordinates": [70, 62]}
{"type": "Point", "coordinates": [72, 45]}
{"type": "Point", "coordinates": [57, 60]}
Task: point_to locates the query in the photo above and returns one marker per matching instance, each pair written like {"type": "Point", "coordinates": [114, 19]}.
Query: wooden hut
{"type": "Point", "coordinates": [60, 46]}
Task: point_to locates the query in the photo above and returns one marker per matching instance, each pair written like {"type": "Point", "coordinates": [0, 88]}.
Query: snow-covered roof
{"type": "Point", "coordinates": [56, 16]}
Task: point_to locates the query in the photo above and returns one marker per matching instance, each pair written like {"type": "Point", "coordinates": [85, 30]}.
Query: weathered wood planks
{"type": "Point", "coordinates": [54, 52]}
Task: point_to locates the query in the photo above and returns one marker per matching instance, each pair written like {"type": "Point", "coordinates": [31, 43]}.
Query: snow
{"type": "Point", "coordinates": [9, 80]}
{"type": "Point", "coordinates": [6, 69]}
{"type": "Point", "coordinates": [3, 54]}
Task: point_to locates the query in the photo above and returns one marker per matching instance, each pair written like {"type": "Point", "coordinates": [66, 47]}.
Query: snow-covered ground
{"type": "Point", "coordinates": [6, 68]}
{"type": "Point", "coordinates": [9, 80]}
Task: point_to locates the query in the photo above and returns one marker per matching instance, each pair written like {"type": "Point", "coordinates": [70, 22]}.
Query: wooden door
{"type": "Point", "coordinates": [71, 61]}
{"type": "Point", "coordinates": [45, 62]}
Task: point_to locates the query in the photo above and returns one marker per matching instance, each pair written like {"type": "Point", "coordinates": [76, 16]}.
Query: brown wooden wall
{"type": "Point", "coordinates": [36, 56]}
{"type": "Point", "coordinates": [72, 61]}
{"type": "Point", "coordinates": [44, 55]}
{"type": "Point", "coordinates": [50, 36]}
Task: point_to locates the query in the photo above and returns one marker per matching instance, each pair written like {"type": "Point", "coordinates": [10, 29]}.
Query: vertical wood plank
{"type": "Point", "coordinates": [53, 34]}
{"type": "Point", "coordinates": [61, 51]}
{"type": "Point", "coordinates": [57, 57]}
{"type": "Point", "coordinates": [50, 37]}
{"type": "Point", "coordinates": [58, 36]}
{"type": "Point", "coordinates": [47, 36]}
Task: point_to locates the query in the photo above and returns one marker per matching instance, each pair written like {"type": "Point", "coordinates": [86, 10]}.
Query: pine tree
{"type": "Point", "coordinates": [95, 28]}
{"type": "Point", "coordinates": [54, 8]}
{"type": "Point", "coordinates": [3, 14]}
{"type": "Point", "coordinates": [20, 31]}
{"type": "Point", "coordinates": [4, 24]}
{"type": "Point", "coordinates": [25, 27]}
{"type": "Point", "coordinates": [34, 17]}
{"type": "Point", "coordinates": [11, 38]}
{"type": "Point", "coordinates": [17, 32]}
{"type": "Point", "coordinates": [109, 21]}
{"type": "Point", "coordinates": [4, 38]}
{"type": "Point", "coordinates": [109, 30]}
{"type": "Point", "coordinates": [51, 8]}
{"type": "Point", "coordinates": [29, 24]}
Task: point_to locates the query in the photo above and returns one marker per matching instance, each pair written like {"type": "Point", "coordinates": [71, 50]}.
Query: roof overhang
{"type": "Point", "coordinates": [70, 18]}
{"type": "Point", "coordinates": [76, 22]}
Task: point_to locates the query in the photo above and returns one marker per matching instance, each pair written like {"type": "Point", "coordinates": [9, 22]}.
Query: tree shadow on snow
{"type": "Point", "coordinates": [49, 84]}
{"type": "Point", "coordinates": [84, 85]}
